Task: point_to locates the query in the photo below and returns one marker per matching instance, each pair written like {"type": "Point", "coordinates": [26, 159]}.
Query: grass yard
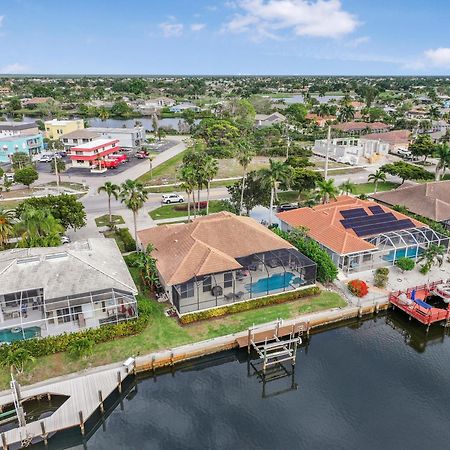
{"type": "Point", "coordinates": [103, 221]}
{"type": "Point", "coordinates": [169, 211]}
{"type": "Point", "coordinates": [367, 188]}
{"type": "Point", "coordinates": [165, 173]}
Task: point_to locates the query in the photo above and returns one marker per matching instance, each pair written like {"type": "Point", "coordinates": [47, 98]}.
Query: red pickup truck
{"type": "Point", "coordinates": [108, 163]}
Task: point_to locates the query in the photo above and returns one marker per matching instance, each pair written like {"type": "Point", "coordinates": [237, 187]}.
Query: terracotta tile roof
{"type": "Point", "coordinates": [360, 126]}
{"type": "Point", "coordinates": [209, 244]}
{"type": "Point", "coordinates": [431, 200]}
{"type": "Point", "coordinates": [394, 137]}
{"type": "Point", "coordinates": [323, 223]}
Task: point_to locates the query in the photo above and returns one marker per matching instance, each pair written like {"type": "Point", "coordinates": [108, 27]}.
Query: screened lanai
{"type": "Point", "coordinates": [260, 274]}
{"type": "Point", "coordinates": [27, 314]}
{"type": "Point", "coordinates": [409, 243]}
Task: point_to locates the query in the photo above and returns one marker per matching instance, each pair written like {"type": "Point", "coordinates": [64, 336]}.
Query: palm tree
{"type": "Point", "coordinates": [188, 183]}
{"type": "Point", "coordinates": [17, 358]}
{"type": "Point", "coordinates": [433, 255]}
{"type": "Point", "coordinates": [443, 155]}
{"type": "Point", "coordinates": [434, 113]}
{"type": "Point", "coordinates": [347, 187]}
{"type": "Point", "coordinates": [103, 113]}
{"type": "Point", "coordinates": [209, 169]}
{"type": "Point", "coordinates": [326, 190]}
{"type": "Point", "coordinates": [375, 178]}
{"type": "Point", "coordinates": [346, 113]}
{"type": "Point", "coordinates": [244, 156]}
{"type": "Point", "coordinates": [277, 171]}
{"type": "Point", "coordinates": [133, 195]}
{"type": "Point", "coordinates": [147, 265]}
{"type": "Point", "coordinates": [150, 161]}
{"type": "Point", "coordinates": [6, 225]}
{"type": "Point", "coordinates": [111, 190]}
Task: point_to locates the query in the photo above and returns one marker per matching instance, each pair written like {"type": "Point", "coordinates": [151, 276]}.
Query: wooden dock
{"type": "Point", "coordinates": [86, 394]}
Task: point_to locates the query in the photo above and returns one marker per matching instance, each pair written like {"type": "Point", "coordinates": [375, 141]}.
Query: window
{"type": "Point", "coordinates": [187, 290]}
{"type": "Point", "coordinates": [65, 140]}
{"type": "Point", "coordinates": [75, 141]}
{"type": "Point", "coordinates": [227, 279]}
{"type": "Point", "coordinates": [207, 282]}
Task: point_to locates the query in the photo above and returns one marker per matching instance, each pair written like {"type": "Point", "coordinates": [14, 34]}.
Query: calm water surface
{"type": "Point", "coordinates": [369, 385]}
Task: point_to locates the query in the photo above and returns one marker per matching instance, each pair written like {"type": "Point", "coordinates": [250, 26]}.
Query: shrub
{"type": "Point", "coordinates": [81, 347]}
{"type": "Point", "coordinates": [326, 269]}
{"type": "Point", "coordinates": [128, 242]}
{"type": "Point", "coordinates": [184, 206]}
{"type": "Point", "coordinates": [38, 347]}
{"type": "Point", "coordinates": [358, 288]}
{"type": "Point", "coordinates": [381, 277]}
{"type": "Point", "coordinates": [405, 264]}
{"type": "Point", "coordinates": [251, 304]}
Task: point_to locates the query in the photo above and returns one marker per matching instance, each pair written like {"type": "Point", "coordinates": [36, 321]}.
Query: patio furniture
{"type": "Point", "coordinates": [217, 291]}
{"type": "Point", "coordinates": [240, 294]}
{"type": "Point", "coordinates": [229, 296]}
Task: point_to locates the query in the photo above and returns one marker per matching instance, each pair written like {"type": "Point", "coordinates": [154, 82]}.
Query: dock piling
{"type": "Point", "coordinates": [4, 443]}
{"type": "Point", "coordinates": [119, 381]}
{"type": "Point", "coordinates": [100, 398]}
{"type": "Point", "coordinates": [80, 414]}
{"type": "Point", "coordinates": [44, 433]}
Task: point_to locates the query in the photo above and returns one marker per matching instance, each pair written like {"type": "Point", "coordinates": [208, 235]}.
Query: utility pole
{"type": "Point", "coordinates": [325, 174]}
{"type": "Point", "coordinates": [288, 138]}
{"type": "Point", "coordinates": [56, 168]}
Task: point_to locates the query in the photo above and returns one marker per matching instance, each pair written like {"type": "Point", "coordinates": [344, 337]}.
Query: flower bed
{"type": "Point", "coordinates": [358, 288]}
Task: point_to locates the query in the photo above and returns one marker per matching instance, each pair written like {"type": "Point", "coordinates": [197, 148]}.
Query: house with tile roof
{"type": "Point", "coordinates": [54, 290]}
{"type": "Point", "coordinates": [430, 200]}
{"type": "Point", "coordinates": [223, 258]}
{"type": "Point", "coordinates": [361, 234]}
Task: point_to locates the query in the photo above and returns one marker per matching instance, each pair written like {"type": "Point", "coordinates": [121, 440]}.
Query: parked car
{"type": "Point", "coordinates": [62, 153]}
{"type": "Point", "coordinates": [65, 239]}
{"type": "Point", "coordinates": [141, 155]}
{"type": "Point", "coordinates": [45, 158]}
{"type": "Point", "coordinates": [172, 198]}
{"type": "Point", "coordinates": [286, 207]}
{"type": "Point", "coordinates": [119, 157]}
{"type": "Point", "coordinates": [9, 176]}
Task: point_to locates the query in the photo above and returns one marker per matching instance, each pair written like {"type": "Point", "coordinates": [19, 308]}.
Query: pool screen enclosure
{"type": "Point", "coordinates": [260, 274]}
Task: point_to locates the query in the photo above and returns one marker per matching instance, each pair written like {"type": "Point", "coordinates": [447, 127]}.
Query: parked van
{"type": "Point", "coordinates": [9, 177]}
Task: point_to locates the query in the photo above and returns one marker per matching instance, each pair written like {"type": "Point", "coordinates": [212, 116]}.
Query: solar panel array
{"type": "Point", "coordinates": [379, 221]}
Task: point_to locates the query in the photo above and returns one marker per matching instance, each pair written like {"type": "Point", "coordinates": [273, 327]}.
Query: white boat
{"type": "Point", "coordinates": [443, 291]}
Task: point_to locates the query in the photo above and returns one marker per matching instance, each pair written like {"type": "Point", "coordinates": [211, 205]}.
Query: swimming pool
{"type": "Point", "coordinates": [274, 282]}
{"type": "Point", "coordinates": [7, 336]}
{"type": "Point", "coordinates": [402, 253]}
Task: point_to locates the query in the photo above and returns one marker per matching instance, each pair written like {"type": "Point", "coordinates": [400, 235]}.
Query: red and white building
{"type": "Point", "coordinates": [94, 154]}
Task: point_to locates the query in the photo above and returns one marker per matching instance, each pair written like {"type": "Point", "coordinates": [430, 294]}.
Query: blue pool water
{"type": "Point", "coordinates": [402, 253]}
{"type": "Point", "coordinates": [8, 335]}
{"type": "Point", "coordinates": [274, 282]}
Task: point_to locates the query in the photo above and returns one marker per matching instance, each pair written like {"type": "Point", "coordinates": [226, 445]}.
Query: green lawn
{"type": "Point", "coordinates": [103, 221]}
{"type": "Point", "coordinates": [176, 188]}
{"type": "Point", "coordinates": [165, 172]}
{"type": "Point", "coordinates": [170, 212]}
{"type": "Point", "coordinates": [367, 188]}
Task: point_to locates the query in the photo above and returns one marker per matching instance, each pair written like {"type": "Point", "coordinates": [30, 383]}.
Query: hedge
{"type": "Point", "coordinates": [38, 347]}
{"type": "Point", "coordinates": [251, 304]}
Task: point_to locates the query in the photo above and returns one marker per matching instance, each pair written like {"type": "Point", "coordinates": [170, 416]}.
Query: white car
{"type": "Point", "coordinates": [172, 198]}
{"type": "Point", "coordinates": [45, 158]}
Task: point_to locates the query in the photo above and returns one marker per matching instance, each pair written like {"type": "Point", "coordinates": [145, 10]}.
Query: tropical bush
{"type": "Point", "coordinates": [251, 304]}
{"type": "Point", "coordinates": [381, 277]}
{"type": "Point", "coordinates": [81, 347]}
{"type": "Point", "coordinates": [405, 264]}
{"type": "Point", "coordinates": [128, 241]}
{"type": "Point", "coordinates": [326, 269]}
{"type": "Point", "coordinates": [184, 206]}
{"type": "Point", "coordinates": [38, 347]}
{"type": "Point", "coordinates": [358, 288]}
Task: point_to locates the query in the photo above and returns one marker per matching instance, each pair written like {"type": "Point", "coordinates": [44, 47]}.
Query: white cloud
{"type": "Point", "coordinates": [439, 57]}
{"type": "Point", "coordinates": [170, 29]}
{"type": "Point", "coordinates": [314, 18]}
{"type": "Point", "coordinates": [358, 41]}
{"type": "Point", "coordinates": [197, 26]}
{"type": "Point", "coordinates": [1, 20]}
{"type": "Point", "coordinates": [14, 68]}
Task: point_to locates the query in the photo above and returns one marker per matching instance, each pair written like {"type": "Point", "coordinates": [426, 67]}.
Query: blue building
{"type": "Point", "coordinates": [32, 144]}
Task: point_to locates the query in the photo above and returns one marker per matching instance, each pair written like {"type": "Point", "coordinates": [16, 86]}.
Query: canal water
{"type": "Point", "coordinates": [374, 384]}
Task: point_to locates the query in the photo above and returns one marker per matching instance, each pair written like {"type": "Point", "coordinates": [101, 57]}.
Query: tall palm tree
{"type": "Point", "coordinates": [443, 155]}
{"type": "Point", "coordinates": [133, 195]}
{"type": "Point", "coordinates": [326, 190]}
{"type": "Point", "coordinates": [244, 156]}
{"type": "Point", "coordinates": [348, 187]}
{"type": "Point", "coordinates": [103, 113]}
{"type": "Point", "coordinates": [433, 255]}
{"type": "Point", "coordinates": [111, 190]}
{"type": "Point", "coordinates": [6, 225]}
{"type": "Point", "coordinates": [188, 183]}
{"type": "Point", "coordinates": [210, 169]}
{"type": "Point", "coordinates": [375, 178]}
{"type": "Point", "coordinates": [346, 113]}
{"type": "Point", "coordinates": [277, 172]}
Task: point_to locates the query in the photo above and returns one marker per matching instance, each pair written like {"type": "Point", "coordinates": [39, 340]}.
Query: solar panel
{"type": "Point", "coordinates": [376, 218]}
{"type": "Point", "coordinates": [357, 212]}
{"type": "Point", "coordinates": [376, 209]}
{"type": "Point", "coordinates": [366, 230]}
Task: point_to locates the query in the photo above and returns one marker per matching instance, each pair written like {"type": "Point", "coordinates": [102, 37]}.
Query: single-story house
{"type": "Point", "coordinates": [361, 234]}
{"type": "Point", "coordinates": [223, 258]}
{"type": "Point", "coordinates": [183, 107]}
{"type": "Point", "coordinates": [320, 121]}
{"type": "Point", "coordinates": [55, 290]}
{"type": "Point", "coordinates": [267, 120]}
{"type": "Point", "coordinates": [360, 127]}
{"type": "Point", "coordinates": [430, 200]}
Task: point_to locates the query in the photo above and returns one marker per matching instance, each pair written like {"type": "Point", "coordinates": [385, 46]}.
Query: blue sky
{"type": "Point", "coordinates": [348, 37]}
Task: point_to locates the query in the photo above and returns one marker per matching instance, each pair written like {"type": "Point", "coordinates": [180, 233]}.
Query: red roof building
{"type": "Point", "coordinates": [94, 154]}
